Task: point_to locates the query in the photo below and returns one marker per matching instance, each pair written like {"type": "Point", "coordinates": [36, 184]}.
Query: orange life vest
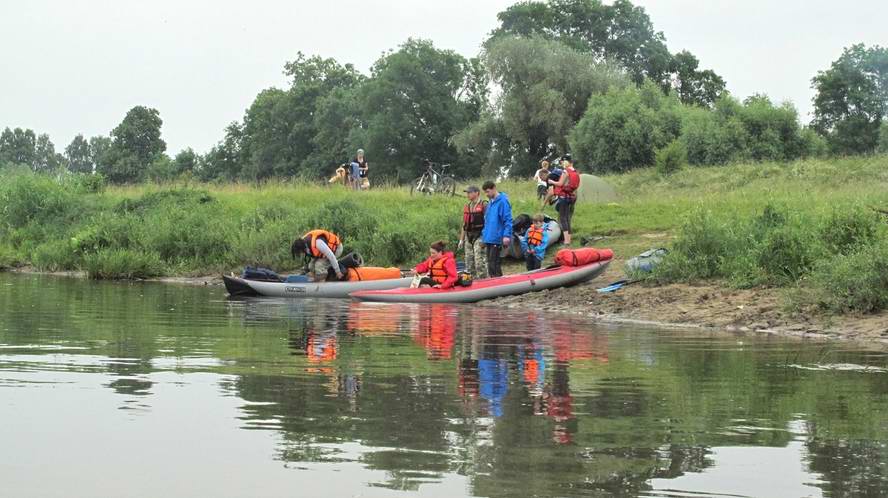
{"type": "Point", "coordinates": [437, 271]}
{"type": "Point", "coordinates": [571, 185]}
{"type": "Point", "coordinates": [534, 236]}
{"type": "Point", "coordinates": [311, 239]}
{"type": "Point", "coordinates": [473, 218]}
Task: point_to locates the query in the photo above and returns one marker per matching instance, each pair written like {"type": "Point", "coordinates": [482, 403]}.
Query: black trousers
{"type": "Point", "coordinates": [532, 263]}
{"type": "Point", "coordinates": [494, 267]}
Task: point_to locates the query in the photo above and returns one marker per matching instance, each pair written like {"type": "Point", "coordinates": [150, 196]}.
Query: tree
{"type": "Point", "coordinates": [135, 145]}
{"type": "Point", "coordinates": [99, 146]}
{"type": "Point", "coordinates": [546, 87]}
{"type": "Point", "coordinates": [693, 86]}
{"type": "Point", "coordinates": [417, 99]}
{"type": "Point", "coordinates": [45, 158]}
{"type": "Point", "coordinates": [852, 99]}
{"type": "Point", "coordinates": [78, 156]}
{"type": "Point", "coordinates": [185, 161]}
{"type": "Point", "coordinates": [225, 160]}
{"type": "Point", "coordinates": [18, 146]}
{"type": "Point", "coordinates": [624, 128]}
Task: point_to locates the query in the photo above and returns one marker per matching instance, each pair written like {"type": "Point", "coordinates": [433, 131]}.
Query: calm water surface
{"type": "Point", "coordinates": [150, 390]}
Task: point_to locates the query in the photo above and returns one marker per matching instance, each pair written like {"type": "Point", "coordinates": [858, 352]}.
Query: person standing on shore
{"type": "Point", "coordinates": [566, 195]}
{"type": "Point", "coordinates": [534, 242]}
{"type": "Point", "coordinates": [361, 180]}
{"type": "Point", "coordinates": [497, 232]}
{"type": "Point", "coordinates": [470, 233]}
{"type": "Point", "coordinates": [542, 176]}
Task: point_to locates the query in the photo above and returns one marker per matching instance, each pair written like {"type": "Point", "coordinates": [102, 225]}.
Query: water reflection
{"type": "Point", "coordinates": [448, 400]}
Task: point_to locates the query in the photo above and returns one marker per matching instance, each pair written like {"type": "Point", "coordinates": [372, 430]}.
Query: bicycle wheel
{"type": "Point", "coordinates": [447, 186]}
{"type": "Point", "coordinates": [419, 185]}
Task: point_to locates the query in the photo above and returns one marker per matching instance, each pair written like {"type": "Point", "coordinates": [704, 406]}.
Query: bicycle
{"type": "Point", "coordinates": [434, 181]}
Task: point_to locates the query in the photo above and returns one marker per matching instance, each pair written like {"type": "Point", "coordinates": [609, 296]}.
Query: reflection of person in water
{"type": "Point", "coordinates": [559, 404]}
{"type": "Point", "coordinates": [493, 383]}
{"type": "Point", "coordinates": [437, 330]}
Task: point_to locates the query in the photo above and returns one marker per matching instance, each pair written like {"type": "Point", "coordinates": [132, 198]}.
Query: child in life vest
{"type": "Point", "coordinates": [534, 242]}
{"type": "Point", "coordinates": [440, 267]}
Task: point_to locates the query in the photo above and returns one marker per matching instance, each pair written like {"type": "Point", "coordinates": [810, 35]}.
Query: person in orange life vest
{"type": "Point", "coordinates": [534, 242]}
{"type": "Point", "coordinates": [566, 192]}
{"type": "Point", "coordinates": [322, 248]}
{"type": "Point", "coordinates": [470, 233]}
{"type": "Point", "coordinates": [440, 266]}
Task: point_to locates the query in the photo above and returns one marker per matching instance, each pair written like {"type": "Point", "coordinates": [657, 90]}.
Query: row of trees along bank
{"type": "Point", "coordinates": [563, 77]}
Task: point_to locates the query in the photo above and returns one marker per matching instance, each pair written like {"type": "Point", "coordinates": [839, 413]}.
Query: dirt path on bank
{"type": "Point", "coordinates": [700, 306]}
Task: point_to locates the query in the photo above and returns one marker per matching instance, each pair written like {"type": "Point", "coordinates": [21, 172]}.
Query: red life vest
{"type": "Point", "coordinates": [473, 218]}
{"type": "Point", "coordinates": [534, 236]}
{"type": "Point", "coordinates": [437, 271]}
{"type": "Point", "coordinates": [570, 187]}
{"type": "Point", "coordinates": [311, 239]}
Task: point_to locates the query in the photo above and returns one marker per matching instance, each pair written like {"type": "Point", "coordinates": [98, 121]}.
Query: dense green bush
{"type": "Point", "coordinates": [9, 257]}
{"type": "Point", "coordinates": [671, 158]}
{"type": "Point", "coordinates": [58, 255]}
{"type": "Point", "coordinates": [844, 231]}
{"type": "Point", "coordinates": [857, 282]}
{"type": "Point", "coordinates": [623, 128]}
{"type": "Point", "coordinates": [114, 264]}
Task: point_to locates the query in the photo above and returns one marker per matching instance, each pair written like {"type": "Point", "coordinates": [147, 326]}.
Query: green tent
{"type": "Point", "coordinates": [594, 189]}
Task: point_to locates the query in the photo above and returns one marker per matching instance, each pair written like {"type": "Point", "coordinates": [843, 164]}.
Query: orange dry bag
{"type": "Point", "coordinates": [372, 273]}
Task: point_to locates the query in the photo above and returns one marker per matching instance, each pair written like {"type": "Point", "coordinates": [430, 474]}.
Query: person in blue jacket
{"type": "Point", "coordinates": [534, 243]}
{"type": "Point", "coordinates": [497, 231]}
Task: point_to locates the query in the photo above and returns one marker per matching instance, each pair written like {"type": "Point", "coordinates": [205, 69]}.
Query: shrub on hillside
{"type": "Point", "coordinates": [844, 231]}
{"type": "Point", "coordinates": [671, 158]}
{"type": "Point", "coordinates": [858, 282]}
{"type": "Point", "coordinates": [56, 256]}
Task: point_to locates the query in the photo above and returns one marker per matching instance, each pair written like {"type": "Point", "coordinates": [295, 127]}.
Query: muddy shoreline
{"type": "Point", "coordinates": [700, 306]}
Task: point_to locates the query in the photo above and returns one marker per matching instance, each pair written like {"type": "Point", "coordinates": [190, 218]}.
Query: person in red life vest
{"type": "Point", "coordinates": [470, 233]}
{"type": "Point", "coordinates": [440, 267]}
{"type": "Point", "coordinates": [566, 194]}
{"type": "Point", "coordinates": [321, 248]}
{"type": "Point", "coordinates": [534, 242]}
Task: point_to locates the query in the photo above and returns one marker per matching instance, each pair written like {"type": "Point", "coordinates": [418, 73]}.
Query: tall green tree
{"type": "Point", "coordinates": [546, 87]}
{"type": "Point", "coordinates": [695, 86]}
{"type": "Point", "coordinates": [99, 147]}
{"type": "Point", "coordinates": [225, 160]}
{"type": "Point", "coordinates": [280, 126]}
{"type": "Point", "coordinates": [78, 156]}
{"type": "Point", "coordinates": [417, 99]}
{"type": "Point", "coordinates": [136, 144]}
{"type": "Point", "coordinates": [46, 159]}
{"type": "Point", "coordinates": [852, 99]}
{"type": "Point", "coordinates": [18, 146]}
{"type": "Point", "coordinates": [185, 161]}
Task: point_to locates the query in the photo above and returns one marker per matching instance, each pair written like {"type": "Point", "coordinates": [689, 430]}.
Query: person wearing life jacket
{"type": "Point", "coordinates": [440, 267]}
{"type": "Point", "coordinates": [534, 242]}
{"type": "Point", "coordinates": [470, 233]}
{"type": "Point", "coordinates": [321, 248]}
{"type": "Point", "coordinates": [566, 195]}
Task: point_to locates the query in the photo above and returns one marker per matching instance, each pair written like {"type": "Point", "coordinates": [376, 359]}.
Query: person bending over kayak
{"type": "Point", "coordinates": [321, 248]}
{"type": "Point", "coordinates": [497, 231]}
{"type": "Point", "coordinates": [534, 242]}
{"type": "Point", "coordinates": [440, 266]}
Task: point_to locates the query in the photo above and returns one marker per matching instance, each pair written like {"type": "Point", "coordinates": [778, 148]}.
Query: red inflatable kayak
{"type": "Point", "coordinates": [548, 278]}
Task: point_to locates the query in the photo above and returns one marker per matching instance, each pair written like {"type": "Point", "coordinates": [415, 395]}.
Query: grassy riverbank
{"type": "Point", "coordinates": [805, 225]}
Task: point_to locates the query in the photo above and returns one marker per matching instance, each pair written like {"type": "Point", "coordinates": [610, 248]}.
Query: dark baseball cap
{"type": "Point", "coordinates": [471, 188]}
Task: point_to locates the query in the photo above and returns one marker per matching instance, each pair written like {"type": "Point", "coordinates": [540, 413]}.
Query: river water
{"type": "Point", "coordinates": [147, 390]}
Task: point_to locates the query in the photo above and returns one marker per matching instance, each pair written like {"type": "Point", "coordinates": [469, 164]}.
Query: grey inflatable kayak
{"type": "Point", "coordinates": [549, 278]}
{"type": "Point", "coordinates": [514, 250]}
{"type": "Point", "coordinates": [237, 286]}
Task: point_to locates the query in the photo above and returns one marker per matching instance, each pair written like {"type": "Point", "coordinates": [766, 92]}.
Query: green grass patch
{"type": "Point", "coordinates": [122, 264]}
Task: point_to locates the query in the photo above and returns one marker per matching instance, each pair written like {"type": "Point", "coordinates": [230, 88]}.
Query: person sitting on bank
{"type": "Point", "coordinates": [440, 266]}
{"type": "Point", "coordinates": [470, 233]}
{"type": "Point", "coordinates": [534, 243]}
{"type": "Point", "coordinates": [497, 232]}
{"type": "Point", "coordinates": [542, 179]}
{"type": "Point", "coordinates": [321, 248]}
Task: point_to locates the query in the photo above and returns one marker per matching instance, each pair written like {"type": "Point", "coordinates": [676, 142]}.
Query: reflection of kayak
{"type": "Point", "coordinates": [537, 280]}
{"type": "Point", "coordinates": [237, 286]}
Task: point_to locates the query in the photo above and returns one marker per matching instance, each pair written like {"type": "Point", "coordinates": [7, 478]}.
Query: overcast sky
{"type": "Point", "coordinates": [73, 67]}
